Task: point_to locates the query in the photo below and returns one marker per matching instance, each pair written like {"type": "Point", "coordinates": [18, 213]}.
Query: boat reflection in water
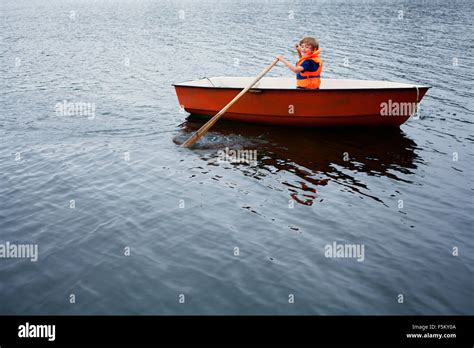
{"type": "Point", "coordinates": [315, 156]}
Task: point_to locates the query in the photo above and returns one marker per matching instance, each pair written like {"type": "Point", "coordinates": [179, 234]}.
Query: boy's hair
{"type": "Point", "coordinates": [310, 41]}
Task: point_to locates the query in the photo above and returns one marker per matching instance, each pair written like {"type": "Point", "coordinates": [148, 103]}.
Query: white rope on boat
{"type": "Point", "coordinates": [210, 81]}
{"type": "Point", "coordinates": [417, 101]}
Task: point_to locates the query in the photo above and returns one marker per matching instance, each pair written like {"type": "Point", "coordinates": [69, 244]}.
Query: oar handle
{"type": "Point", "coordinates": [195, 137]}
{"type": "Point", "coordinates": [298, 50]}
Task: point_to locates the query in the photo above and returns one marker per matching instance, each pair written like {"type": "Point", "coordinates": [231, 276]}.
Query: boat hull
{"type": "Point", "coordinates": [296, 107]}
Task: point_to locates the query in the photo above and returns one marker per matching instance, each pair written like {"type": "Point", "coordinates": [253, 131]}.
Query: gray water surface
{"type": "Point", "coordinates": [181, 212]}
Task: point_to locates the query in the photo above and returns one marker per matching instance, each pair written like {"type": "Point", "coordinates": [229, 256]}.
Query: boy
{"type": "Point", "coordinates": [309, 66]}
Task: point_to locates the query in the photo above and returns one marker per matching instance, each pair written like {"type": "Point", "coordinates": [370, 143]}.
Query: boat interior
{"type": "Point", "coordinates": [289, 83]}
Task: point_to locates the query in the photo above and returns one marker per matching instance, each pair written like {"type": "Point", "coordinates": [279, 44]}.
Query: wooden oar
{"type": "Point", "coordinates": [195, 137]}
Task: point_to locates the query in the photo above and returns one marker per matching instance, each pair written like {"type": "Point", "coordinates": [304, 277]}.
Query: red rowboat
{"type": "Point", "coordinates": [278, 101]}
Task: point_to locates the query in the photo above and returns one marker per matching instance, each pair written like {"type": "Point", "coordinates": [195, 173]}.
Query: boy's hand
{"type": "Point", "coordinates": [280, 57]}
{"type": "Point", "coordinates": [297, 46]}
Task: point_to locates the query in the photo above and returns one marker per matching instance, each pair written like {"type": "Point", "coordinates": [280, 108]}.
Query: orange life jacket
{"type": "Point", "coordinates": [310, 79]}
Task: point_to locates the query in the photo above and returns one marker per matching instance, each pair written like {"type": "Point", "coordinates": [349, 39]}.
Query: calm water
{"type": "Point", "coordinates": [181, 212]}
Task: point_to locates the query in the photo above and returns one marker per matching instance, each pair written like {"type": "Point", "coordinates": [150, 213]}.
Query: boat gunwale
{"type": "Point", "coordinates": [304, 89]}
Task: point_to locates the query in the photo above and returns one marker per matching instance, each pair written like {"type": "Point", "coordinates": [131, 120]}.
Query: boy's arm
{"type": "Point", "coordinates": [294, 68]}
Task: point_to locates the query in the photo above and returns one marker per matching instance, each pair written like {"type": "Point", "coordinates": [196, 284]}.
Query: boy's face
{"type": "Point", "coordinates": [305, 48]}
